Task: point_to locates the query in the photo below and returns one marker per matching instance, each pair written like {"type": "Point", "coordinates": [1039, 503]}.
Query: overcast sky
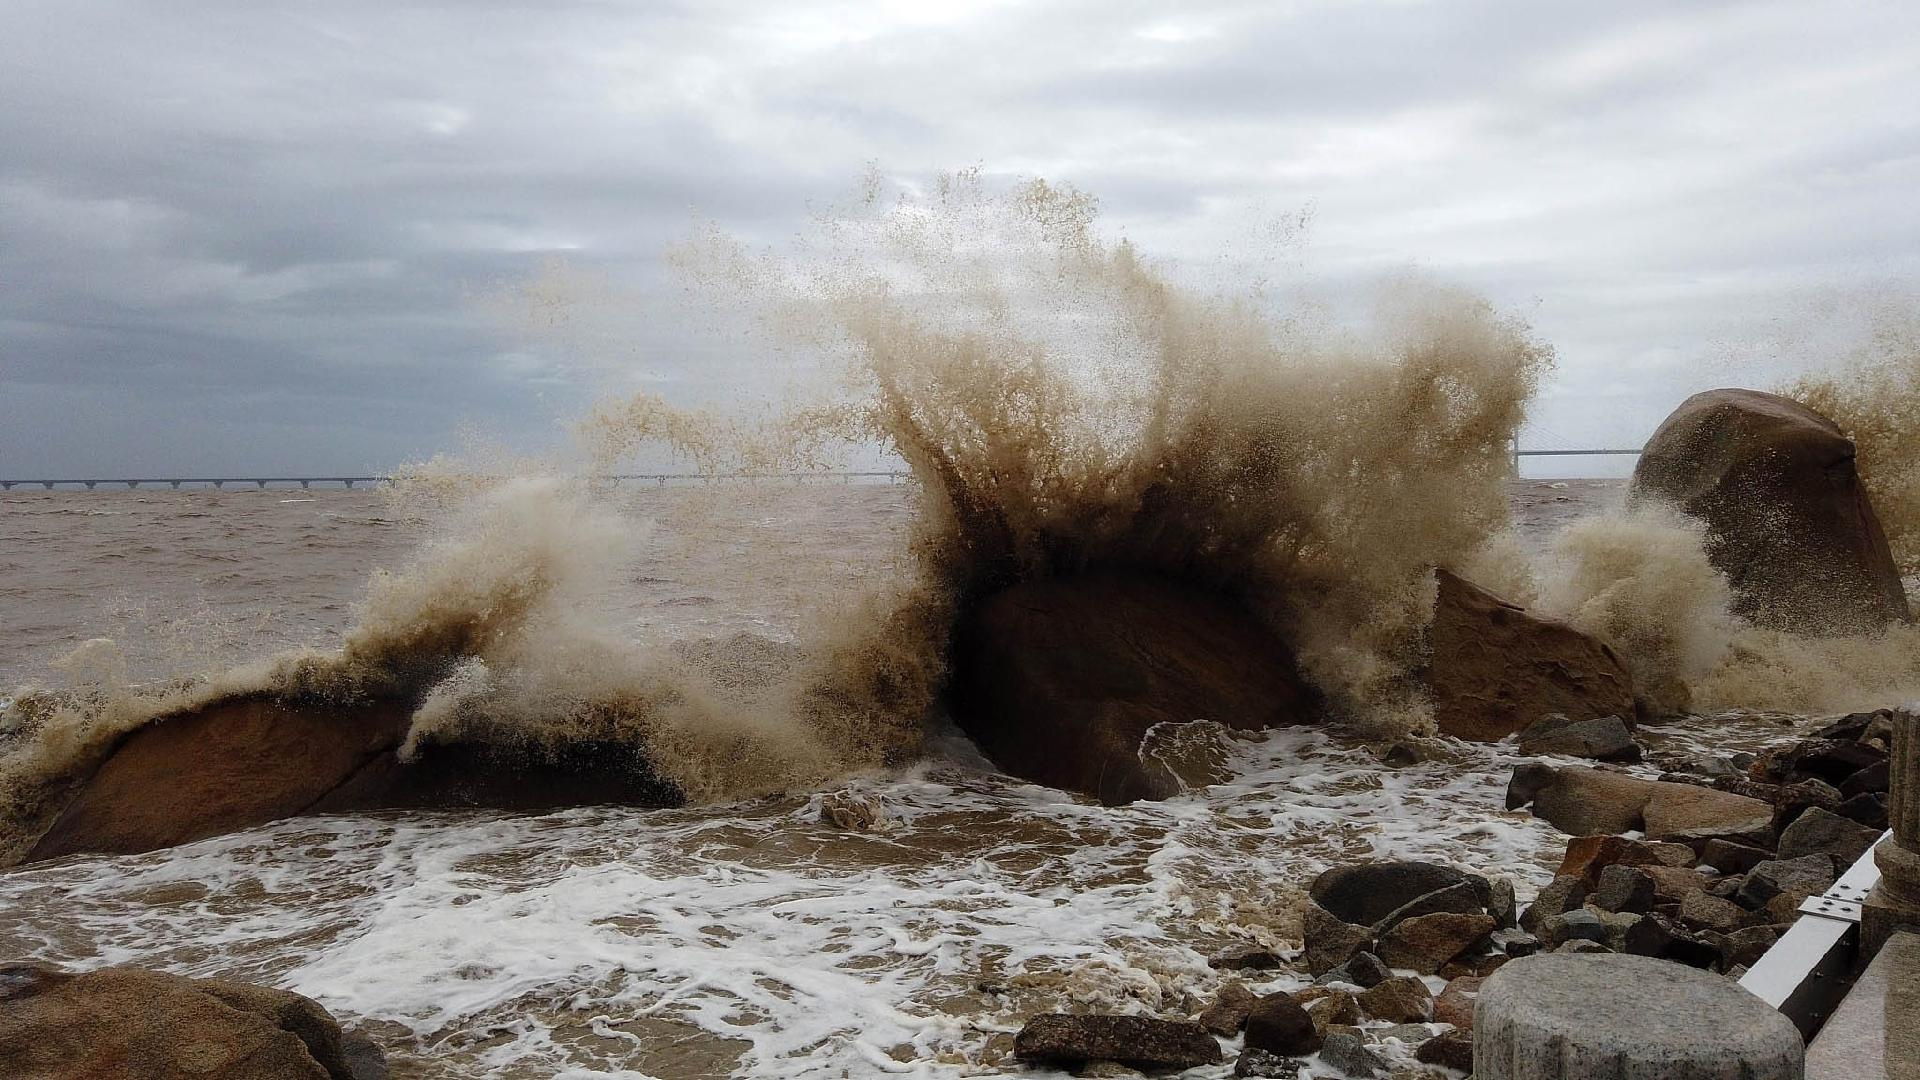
{"type": "Point", "coordinates": [251, 236]}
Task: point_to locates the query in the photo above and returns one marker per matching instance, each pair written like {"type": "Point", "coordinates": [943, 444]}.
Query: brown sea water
{"type": "Point", "coordinates": [740, 937]}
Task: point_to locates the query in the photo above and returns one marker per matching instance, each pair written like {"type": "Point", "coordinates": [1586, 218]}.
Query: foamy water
{"type": "Point", "coordinates": [752, 939]}
{"type": "Point", "coordinates": [746, 938]}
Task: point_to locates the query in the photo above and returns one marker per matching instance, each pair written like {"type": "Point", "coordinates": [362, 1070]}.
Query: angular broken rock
{"type": "Point", "coordinates": [1345, 1051]}
{"type": "Point", "coordinates": [1363, 969]}
{"type": "Point", "coordinates": [1820, 832]}
{"type": "Point", "coordinates": [1228, 1013]}
{"type": "Point", "coordinates": [1454, 1050]}
{"type": "Point", "coordinates": [1603, 738]}
{"type": "Point", "coordinates": [1498, 668]}
{"type": "Point", "coordinates": [1624, 888]}
{"type": "Point", "coordinates": [1244, 958]}
{"type": "Point", "coordinates": [1131, 1040]}
{"type": "Point", "coordinates": [1462, 898]}
{"type": "Point", "coordinates": [1562, 894]}
{"type": "Point", "coordinates": [1425, 942]}
{"type": "Point", "coordinates": [1330, 942]}
{"type": "Point", "coordinates": [1403, 999]}
{"type": "Point", "coordinates": [1705, 912]}
{"type": "Point", "coordinates": [1807, 875]}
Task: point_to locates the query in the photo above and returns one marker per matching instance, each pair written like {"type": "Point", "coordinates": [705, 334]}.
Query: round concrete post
{"type": "Point", "coordinates": [1600, 1016]}
{"type": "Point", "coordinates": [1894, 903]}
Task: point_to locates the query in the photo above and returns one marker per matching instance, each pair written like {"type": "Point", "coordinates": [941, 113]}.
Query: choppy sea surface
{"type": "Point", "coordinates": [750, 939]}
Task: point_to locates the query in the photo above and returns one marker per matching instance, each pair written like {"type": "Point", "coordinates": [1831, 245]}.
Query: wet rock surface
{"type": "Point", "coordinates": [1131, 1040]}
{"type": "Point", "coordinates": [1789, 521]}
{"type": "Point", "coordinates": [123, 1023]}
{"type": "Point", "coordinates": [1059, 681]}
{"type": "Point", "coordinates": [1498, 669]}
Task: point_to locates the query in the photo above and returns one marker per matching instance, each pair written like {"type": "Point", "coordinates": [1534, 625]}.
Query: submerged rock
{"type": "Point", "coordinates": [246, 761]}
{"type": "Point", "coordinates": [1131, 1040]}
{"type": "Point", "coordinates": [1789, 521]}
{"type": "Point", "coordinates": [1497, 668]}
{"type": "Point", "coordinates": [123, 1022]}
{"type": "Point", "coordinates": [1059, 681]}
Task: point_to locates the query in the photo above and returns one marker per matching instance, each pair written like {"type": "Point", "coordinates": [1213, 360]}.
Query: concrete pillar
{"type": "Point", "coordinates": [1587, 1016]}
{"type": "Point", "coordinates": [1894, 904]}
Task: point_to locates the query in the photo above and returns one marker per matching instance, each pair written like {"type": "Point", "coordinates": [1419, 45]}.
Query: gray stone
{"type": "Point", "coordinates": [1624, 888]}
{"type": "Point", "coordinates": [1345, 1051]}
{"type": "Point", "coordinates": [1501, 903]}
{"type": "Point", "coordinates": [1582, 945]}
{"type": "Point", "coordinates": [1264, 1063]}
{"type": "Point", "coordinates": [1330, 941]}
{"type": "Point", "coordinates": [1624, 1017]}
{"type": "Point", "coordinates": [1578, 924]}
{"type": "Point", "coordinates": [1806, 875]}
{"type": "Point", "coordinates": [1426, 942]}
{"type": "Point", "coordinates": [1604, 738]}
{"type": "Point", "coordinates": [1562, 894]}
{"type": "Point", "coordinates": [1130, 1040]}
{"type": "Point", "coordinates": [1712, 913]}
{"type": "Point", "coordinates": [1244, 958]}
{"type": "Point", "coordinates": [1731, 858]}
{"type": "Point", "coordinates": [1875, 1033]}
{"type": "Point", "coordinates": [1822, 832]}
{"type": "Point", "coordinates": [1363, 970]}
{"type": "Point", "coordinates": [1403, 999]}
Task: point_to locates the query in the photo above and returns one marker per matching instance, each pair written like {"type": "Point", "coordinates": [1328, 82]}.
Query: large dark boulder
{"type": "Point", "coordinates": [246, 761]}
{"type": "Point", "coordinates": [1498, 669]}
{"type": "Point", "coordinates": [123, 1023]}
{"type": "Point", "coordinates": [1788, 520]}
{"type": "Point", "coordinates": [1060, 680]}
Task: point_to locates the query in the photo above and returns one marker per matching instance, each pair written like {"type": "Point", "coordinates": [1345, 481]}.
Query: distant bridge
{"type": "Point", "coordinates": [264, 482]}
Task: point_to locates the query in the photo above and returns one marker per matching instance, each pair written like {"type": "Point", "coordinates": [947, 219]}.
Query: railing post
{"type": "Point", "coordinates": [1894, 904]}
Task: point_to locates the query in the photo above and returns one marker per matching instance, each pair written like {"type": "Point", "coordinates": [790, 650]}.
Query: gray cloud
{"type": "Point", "coordinates": [240, 238]}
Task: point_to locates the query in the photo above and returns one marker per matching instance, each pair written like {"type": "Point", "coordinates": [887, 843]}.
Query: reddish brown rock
{"type": "Point", "coordinates": [1425, 942]}
{"type": "Point", "coordinates": [1591, 801]}
{"type": "Point", "coordinates": [246, 761]}
{"type": "Point", "coordinates": [128, 1022]}
{"type": "Point", "coordinates": [1455, 1003]}
{"type": "Point", "coordinates": [1497, 669]}
{"type": "Point", "coordinates": [1789, 521]}
{"type": "Point", "coordinates": [1059, 680]}
{"type": "Point", "coordinates": [1403, 999]}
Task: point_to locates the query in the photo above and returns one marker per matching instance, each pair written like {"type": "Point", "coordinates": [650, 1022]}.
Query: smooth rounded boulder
{"type": "Point", "coordinates": [1060, 680]}
{"type": "Point", "coordinates": [1789, 522]}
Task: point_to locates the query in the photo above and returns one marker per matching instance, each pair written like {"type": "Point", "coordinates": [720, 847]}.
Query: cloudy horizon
{"type": "Point", "coordinates": [236, 239]}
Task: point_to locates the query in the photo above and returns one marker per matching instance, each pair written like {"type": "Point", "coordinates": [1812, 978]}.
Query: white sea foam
{"type": "Point", "coordinates": [753, 939]}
